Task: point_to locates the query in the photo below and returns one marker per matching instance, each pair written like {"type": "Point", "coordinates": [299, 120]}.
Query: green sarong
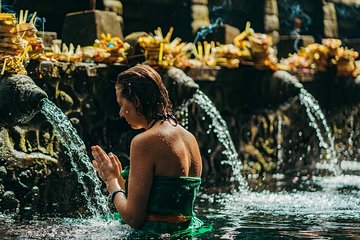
{"type": "Point", "coordinates": [171, 207]}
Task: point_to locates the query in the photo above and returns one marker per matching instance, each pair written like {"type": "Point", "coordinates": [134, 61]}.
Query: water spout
{"type": "Point", "coordinates": [288, 79]}
{"type": "Point", "coordinates": [20, 99]}
{"type": "Point", "coordinates": [180, 86]}
{"type": "Point", "coordinates": [317, 121]}
{"type": "Point", "coordinates": [219, 127]}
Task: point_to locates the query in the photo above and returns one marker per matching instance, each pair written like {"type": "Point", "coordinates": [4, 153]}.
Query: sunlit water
{"type": "Point", "coordinates": [80, 162]}
{"type": "Point", "coordinates": [332, 211]}
{"type": "Point", "coordinates": [279, 140]}
{"type": "Point", "coordinates": [318, 121]}
{"type": "Point", "coordinates": [347, 149]}
{"type": "Point", "coordinates": [219, 127]}
{"type": "Point", "coordinates": [328, 160]}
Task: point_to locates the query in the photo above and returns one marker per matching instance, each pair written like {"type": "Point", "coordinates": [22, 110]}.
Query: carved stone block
{"type": "Point", "coordinates": [271, 22]}
{"type": "Point", "coordinates": [330, 29]}
{"type": "Point", "coordinates": [86, 26]}
{"type": "Point", "coordinates": [271, 7]}
{"type": "Point", "coordinates": [329, 11]}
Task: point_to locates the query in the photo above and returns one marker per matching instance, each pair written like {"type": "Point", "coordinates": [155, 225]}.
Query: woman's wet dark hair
{"type": "Point", "coordinates": [143, 86]}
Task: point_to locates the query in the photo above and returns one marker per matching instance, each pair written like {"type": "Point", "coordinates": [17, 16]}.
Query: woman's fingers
{"type": "Point", "coordinates": [96, 156]}
{"type": "Point", "coordinates": [99, 155]}
{"type": "Point", "coordinates": [117, 159]}
{"type": "Point", "coordinates": [107, 166]}
{"type": "Point", "coordinates": [118, 165]}
{"type": "Point", "coordinates": [117, 162]}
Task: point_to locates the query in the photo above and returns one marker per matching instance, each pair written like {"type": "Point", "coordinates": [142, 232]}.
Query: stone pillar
{"type": "Point", "coordinates": [82, 28]}
{"type": "Point", "coordinates": [116, 7]}
{"type": "Point", "coordinates": [330, 20]}
{"type": "Point", "coordinates": [271, 20]}
{"type": "Point", "coordinates": [199, 14]}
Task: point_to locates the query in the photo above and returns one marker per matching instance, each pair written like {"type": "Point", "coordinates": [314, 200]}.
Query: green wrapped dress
{"type": "Point", "coordinates": [171, 206]}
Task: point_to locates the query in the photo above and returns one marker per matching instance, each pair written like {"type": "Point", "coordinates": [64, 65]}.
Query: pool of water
{"type": "Point", "coordinates": [299, 208]}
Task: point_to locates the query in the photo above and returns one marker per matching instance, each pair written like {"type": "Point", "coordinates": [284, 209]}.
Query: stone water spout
{"type": "Point", "coordinates": [287, 78]}
{"type": "Point", "coordinates": [284, 83]}
{"type": "Point", "coordinates": [181, 87]}
{"type": "Point", "coordinates": [20, 99]}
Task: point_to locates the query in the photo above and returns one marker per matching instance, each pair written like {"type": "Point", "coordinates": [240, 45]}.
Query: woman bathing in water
{"type": "Point", "coordinates": [158, 192]}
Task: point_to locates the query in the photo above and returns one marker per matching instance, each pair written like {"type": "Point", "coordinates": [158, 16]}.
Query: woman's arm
{"type": "Point", "coordinates": [133, 209]}
{"type": "Point", "coordinates": [139, 184]}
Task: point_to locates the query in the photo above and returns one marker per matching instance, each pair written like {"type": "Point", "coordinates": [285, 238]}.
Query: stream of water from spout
{"type": "Point", "coordinates": [279, 141]}
{"type": "Point", "coordinates": [219, 127]}
{"type": "Point", "coordinates": [350, 150]}
{"type": "Point", "coordinates": [96, 202]}
{"type": "Point", "coordinates": [318, 121]}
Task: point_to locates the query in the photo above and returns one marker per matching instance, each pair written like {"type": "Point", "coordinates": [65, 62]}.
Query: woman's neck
{"type": "Point", "coordinates": [151, 124]}
{"type": "Point", "coordinates": [162, 117]}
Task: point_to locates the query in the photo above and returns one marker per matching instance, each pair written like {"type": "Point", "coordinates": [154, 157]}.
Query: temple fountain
{"type": "Point", "coordinates": [227, 158]}
{"type": "Point", "coordinates": [20, 99]}
{"type": "Point", "coordinates": [266, 149]}
{"type": "Point", "coordinates": [279, 147]}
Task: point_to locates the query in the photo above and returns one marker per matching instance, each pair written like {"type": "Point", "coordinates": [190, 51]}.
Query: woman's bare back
{"type": "Point", "coordinates": [175, 150]}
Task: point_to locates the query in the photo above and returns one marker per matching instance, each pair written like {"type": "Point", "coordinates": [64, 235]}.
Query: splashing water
{"type": "Point", "coordinates": [279, 140]}
{"type": "Point", "coordinates": [80, 162]}
{"type": "Point", "coordinates": [219, 127]}
{"type": "Point", "coordinates": [331, 212]}
{"type": "Point", "coordinates": [350, 139]}
{"type": "Point", "coordinates": [182, 113]}
{"type": "Point", "coordinates": [316, 118]}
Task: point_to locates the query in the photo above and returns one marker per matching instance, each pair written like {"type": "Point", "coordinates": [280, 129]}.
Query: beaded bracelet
{"type": "Point", "coordinates": [113, 194]}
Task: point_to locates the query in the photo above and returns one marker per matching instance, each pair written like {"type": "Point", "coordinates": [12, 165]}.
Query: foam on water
{"type": "Point", "coordinates": [69, 228]}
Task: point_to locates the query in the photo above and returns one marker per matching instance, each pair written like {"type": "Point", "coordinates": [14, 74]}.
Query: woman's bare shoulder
{"type": "Point", "coordinates": [163, 135]}
{"type": "Point", "coordinates": [147, 138]}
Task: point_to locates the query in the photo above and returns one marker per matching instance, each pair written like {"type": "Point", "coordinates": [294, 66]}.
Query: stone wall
{"type": "Point", "coordinates": [330, 20]}
{"type": "Point", "coordinates": [271, 20]}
